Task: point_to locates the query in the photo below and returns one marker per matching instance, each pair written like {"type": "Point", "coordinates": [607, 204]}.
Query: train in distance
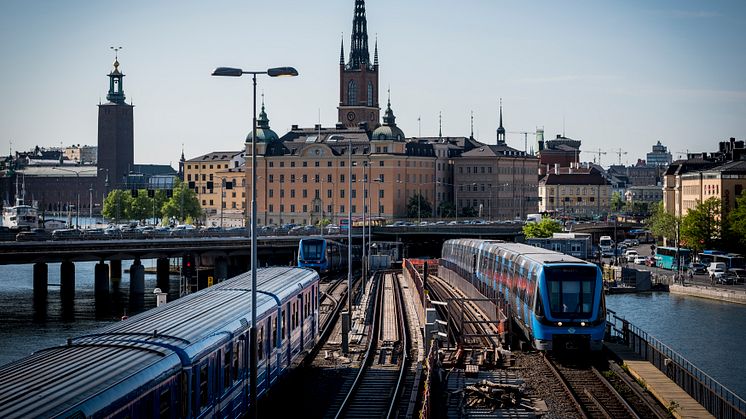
{"type": "Point", "coordinates": [325, 255]}
{"type": "Point", "coordinates": [188, 358]}
{"type": "Point", "coordinates": [556, 300]}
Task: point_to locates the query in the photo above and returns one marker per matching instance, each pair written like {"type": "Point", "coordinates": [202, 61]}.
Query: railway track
{"type": "Point", "coordinates": [591, 393]}
{"type": "Point", "coordinates": [376, 388]}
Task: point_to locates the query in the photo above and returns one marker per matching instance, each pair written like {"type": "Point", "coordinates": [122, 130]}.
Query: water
{"type": "Point", "coordinates": [27, 326]}
{"type": "Point", "coordinates": [710, 334]}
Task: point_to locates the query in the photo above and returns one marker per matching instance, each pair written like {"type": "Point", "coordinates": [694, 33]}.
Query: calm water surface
{"type": "Point", "coordinates": [26, 326]}
{"type": "Point", "coordinates": [710, 334]}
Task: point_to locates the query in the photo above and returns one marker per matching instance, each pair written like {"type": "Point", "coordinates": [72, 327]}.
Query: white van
{"type": "Point", "coordinates": [716, 270]}
{"type": "Point", "coordinates": [631, 255]}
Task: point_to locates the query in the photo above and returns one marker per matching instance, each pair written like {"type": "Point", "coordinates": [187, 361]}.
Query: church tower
{"type": "Point", "coordinates": [500, 129]}
{"type": "Point", "coordinates": [116, 144]}
{"type": "Point", "coordinates": [358, 79]}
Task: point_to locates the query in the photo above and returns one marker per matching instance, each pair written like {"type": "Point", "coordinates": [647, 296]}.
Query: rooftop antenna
{"type": "Point", "coordinates": [472, 124]}
{"type": "Point", "coordinates": [563, 125]}
{"type": "Point", "coordinates": [440, 124]}
{"type": "Point", "coordinates": [419, 127]}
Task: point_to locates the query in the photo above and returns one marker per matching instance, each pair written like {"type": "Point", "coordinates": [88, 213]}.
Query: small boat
{"type": "Point", "coordinates": [20, 216]}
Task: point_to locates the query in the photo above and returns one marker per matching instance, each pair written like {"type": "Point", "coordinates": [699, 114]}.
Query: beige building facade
{"type": "Point", "coordinates": [219, 180]}
{"type": "Point", "coordinates": [574, 192]}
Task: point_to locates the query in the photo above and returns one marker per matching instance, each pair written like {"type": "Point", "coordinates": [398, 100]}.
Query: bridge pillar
{"type": "Point", "coordinates": [101, 279]}
{"type": "Point", "coordinates": [41, 275]}
{"type": "Point", "coordinates": [67, 280]}
{"type": "Point", "coordinates": [162, 271]}
{"type": "Point", "coordinates": [221, 269]}
{"type": "Point", "coordinates": [115, 272]}
{"type": "Point", "coordinates": [137, 278]}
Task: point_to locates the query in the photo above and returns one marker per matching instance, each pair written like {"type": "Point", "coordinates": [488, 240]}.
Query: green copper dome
{"type": "Point", "coordinates": [263, 132]}
{"type": "Point", "coordinates": [389, 130]}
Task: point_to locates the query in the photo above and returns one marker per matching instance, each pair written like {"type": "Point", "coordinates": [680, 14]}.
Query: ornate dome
{"type": "Point", "coordinates": [263, 132]}
{"type": "Point", "coordinates": [389, 130]}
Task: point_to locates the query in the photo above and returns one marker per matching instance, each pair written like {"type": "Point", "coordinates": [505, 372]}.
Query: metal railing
{"type": "Point", "coordinates": [713, 396]}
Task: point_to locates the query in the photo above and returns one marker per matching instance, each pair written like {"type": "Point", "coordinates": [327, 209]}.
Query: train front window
{"type": "Point", "coordinates": [571, 290]}
{"type": "Point", "coordinates": [312, 249]}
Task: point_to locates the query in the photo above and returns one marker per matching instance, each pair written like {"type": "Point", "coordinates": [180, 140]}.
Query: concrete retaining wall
{"type": "Point", "coordinates": [721, 294]}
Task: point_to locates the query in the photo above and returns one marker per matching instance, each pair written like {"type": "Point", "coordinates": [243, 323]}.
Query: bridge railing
{"type": "Point", "coordinates": [713, 396]}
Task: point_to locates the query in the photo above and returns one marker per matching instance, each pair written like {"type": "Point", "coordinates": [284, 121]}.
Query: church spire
{"type": "Point", "coordinates": [359, 55]}
{"type": "Point", "coordinates": [440, 124]}
{"type": "Point", "coordinates": [375, 53]}
{"type": "Point", "coordinates": [342, 51]}
{"type": "Point", "coordinates": [262, 121]}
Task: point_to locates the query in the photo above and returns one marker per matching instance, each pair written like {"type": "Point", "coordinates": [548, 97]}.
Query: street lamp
{"type": "Point", "coordinates": [77, 176]}
{"type": "Point", "coordinates": [237, 72]}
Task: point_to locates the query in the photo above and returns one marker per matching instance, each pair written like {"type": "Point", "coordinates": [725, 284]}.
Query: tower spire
{"type": "Point", "coordinates": [500, 129]}
{"type": "Point", "coordinates": [359, 55]}
{"type": "Point", "coordinates": [375, 52]}
{"type": "Point", "coordinates": [342, 50]}
{"type": "Point", "coordinates": [116, 88]}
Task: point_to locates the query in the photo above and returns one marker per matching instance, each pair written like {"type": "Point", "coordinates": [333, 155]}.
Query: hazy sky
{"type": "Point", "coordinates": [612, 74]}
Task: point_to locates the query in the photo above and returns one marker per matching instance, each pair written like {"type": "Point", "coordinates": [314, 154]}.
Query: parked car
{"type": "Point", "coordinates": [631, 255]}
{"type": "Point", "coordinates": [36, 234]}
{"type": "Point", "coordinates": [697, 268]}
{"type": "Point", "coordinates": [716, 270]}
{"type": "Point", "coordinates": [640, 260]}
{"type": "Point", "coordinates": [738, 275]}
{"type": "Point", "coordinates": [66, 234]}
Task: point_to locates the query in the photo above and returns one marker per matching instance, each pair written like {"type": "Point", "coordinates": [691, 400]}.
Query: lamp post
{"type": "Point", "coordinates": [349, 227]}
{"type": "Point", "coordinates": [237, 72]}
{"type": "Point", "coordinates": [105, 192]}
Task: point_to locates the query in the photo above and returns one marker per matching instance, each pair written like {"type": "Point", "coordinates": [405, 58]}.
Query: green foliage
{"type": "Point", "coordinates": [701, 227]}
{"type": "Point", "coordinates": [446, 209]}
{"type": "Point", "coordinates": [637, 208]}
{"type": "Point", "coordinates": [737, 221]}
{"type": "Point", "coordinates": [184, 204]}
{"type": "Point", "coordinates": [673, 407]}
{"type": "Point", "coordinates": [419, 207]}
{"type": "Point", "coordinates": [323, 222]}
{"type": "Point", "coordinates": [616, 201]}
{"type": "Point", "coordinates": [544, 228]}
{"type": "Point", "coordinates": [117, 205]}
{"type": "Point", "coordinates": [661, 223]}
{"type": "Point", "coordinates": [468, 212]}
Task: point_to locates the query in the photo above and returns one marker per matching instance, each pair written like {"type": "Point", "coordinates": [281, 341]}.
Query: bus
{"type": "Point", "coordinates": [665, 257]}
{"type": "Point", "coordinates": [731, 260]}
{"type": "Point", "coordinates": [642, 236]}
{"type": "Point", "coordinates": [372, 221]}
{"type": "Point", "coordinates": [606, 244]}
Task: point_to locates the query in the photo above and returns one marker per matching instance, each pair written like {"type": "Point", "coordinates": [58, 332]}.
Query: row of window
{"type": "Point", "coordinates": [505, 170]}
{"type": "Point", "coordinates": [317, 194]}
{"type": "Point", "coordinates": [329, 209]}
{"type": "Point", "coordinates": [205, 166]}
{"type": "Point", "coordinates": [342, 163]}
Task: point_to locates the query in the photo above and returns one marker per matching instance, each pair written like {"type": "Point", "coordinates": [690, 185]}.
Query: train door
{"type": "Point", "coordinates": [285, 333]}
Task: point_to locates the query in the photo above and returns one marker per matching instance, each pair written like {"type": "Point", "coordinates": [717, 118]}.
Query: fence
{"type": "Point", "coordinates": [712, 395]}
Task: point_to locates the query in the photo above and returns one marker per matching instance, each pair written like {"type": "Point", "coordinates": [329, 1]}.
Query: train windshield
{"type": "Point", "coordinates": [312, 249]}
{"type": "Point", "coordinates": [571, 290]}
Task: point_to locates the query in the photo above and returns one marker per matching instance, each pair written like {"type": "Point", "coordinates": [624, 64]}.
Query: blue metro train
{"type": "Point", "coordinates": [555, 299]}
{"type": "Point", "coordinates": [186, 359]}
{"type": "Point", "coordinates": [322, 254]}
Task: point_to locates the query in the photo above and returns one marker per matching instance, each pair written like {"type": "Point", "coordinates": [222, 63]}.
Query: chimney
{"type": "Point", "coordinates": [556, 168]}
{"type": "Point", "coordinates": [293, 127]}
{"type": "Point", "coordinates": [317, 127]}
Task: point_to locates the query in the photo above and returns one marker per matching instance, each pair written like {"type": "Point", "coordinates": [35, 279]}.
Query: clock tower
{"type": "Point", "coordinates": [358, 78]}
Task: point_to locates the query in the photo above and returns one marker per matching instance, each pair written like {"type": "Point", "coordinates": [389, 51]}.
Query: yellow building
{"type": "Point", "coordinates": [574, 192]}
{"type": "Point", "coordinates": [219, 180]}
{"type": "Point", "coordinates": [725, 182]}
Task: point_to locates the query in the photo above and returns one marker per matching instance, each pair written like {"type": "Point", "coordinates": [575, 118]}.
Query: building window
{"type": "Point", "coordinates": [271, 164]}
{"type": "Point", "coordinates": [292, 178]}
{"type": "Point", "coordinates": [354, 194]}
{"type": "Point", "coordinates": [305, 164]}
{"type": "Point", "coordinates": [329, 194]}
{"type": "Point", "coordinates": [305, 178]}
{"type": "Point", "coordinates": [341, 178]}
{"type": "Point", "coordinates": [292, 208]}
{"type": "Point", "coordinates": [316, 164]}
{"type": "Point", "coordinates": [380, 193]}
{"type": "Point", "coordinates": [329, 178]}
{"type": "Point", "coordinates": [282, 178]}
{"type": "Point", "coordinates": [317, 194]}
{"type": "Point", "coordinates": [329, 164]}
{"type": "Point", "coordinates": [282, 193]}
{"type": "Point", "coordinates": [271, 208]}
{"type": "Point", "coordinates": [305, 193]}
{"type": "Point", "coordinates": [351, 92]}
{"type": "Point", "coordinates": [292, 164]}
{"type": "Point", "coordinates": [342, 194]}
{"type": "Point", "coordinates": [341, 208]}
{"type": "Point", "coordinates": [211, 204]}
{"type": "Point", "coordinates": [305, 208]}
{"type": "Point", "coordinates": [292, 193]}
{"type": "Point", "coordinates": [271, 178]}
{"type": "Point", "coordinates": [354, 209]}
{"type": "Point", "coordinates": [316, 178]}
{"type": "Point", "coordinates": [271, 193]}
{"type": "Point", "coordinates": [380, 163]}
{"type": "Point", "coordinates": [370, 93]}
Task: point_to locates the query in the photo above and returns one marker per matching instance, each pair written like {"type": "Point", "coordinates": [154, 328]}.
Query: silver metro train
{"type": "Point", "coordinates": [556, 300]}
{"type": "Point", "coordinates": [186, 359]}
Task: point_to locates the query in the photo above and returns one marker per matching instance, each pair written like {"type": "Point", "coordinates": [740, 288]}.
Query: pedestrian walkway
{"type": "Point", "coordinates": [668, 393]}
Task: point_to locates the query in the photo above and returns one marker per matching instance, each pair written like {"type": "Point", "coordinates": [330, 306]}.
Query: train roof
{"type": "Point", "coordinates": [532, 253]}
{"type": "Point", "coordinates": [322, 238]}
{"type": "Point", "coordinates": [54, 380]}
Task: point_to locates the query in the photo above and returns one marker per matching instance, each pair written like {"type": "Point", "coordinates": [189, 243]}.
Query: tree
{"type": "Point", "coordinates": [544, 228]}
{"type": "Point", "coordinates": [141, 207]}
{"type": "Point", "coordinates": [701, 227]}
{"type": "Point", "coordinates": [661, 223]}
{"type": "Point", "coordinates": [419, 207]}
{"type": "Point", "coordinates": [616, 201]}
{"type": "Point", "coordinates": [446, 209]}
{"type": "Point", "coordinates": [468, 212]}
{"type": "Point", "coordinates": [183, 204]}
{"type": "Point", "coordinates": [117, 205]}
{"type": "Point", "coordinates": [737, 221]}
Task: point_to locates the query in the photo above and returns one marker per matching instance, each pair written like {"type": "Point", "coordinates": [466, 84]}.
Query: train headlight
{"type": "Point", "coordinates": [559, 324]}
{"type": "Point", "coordinates": [582, 324]}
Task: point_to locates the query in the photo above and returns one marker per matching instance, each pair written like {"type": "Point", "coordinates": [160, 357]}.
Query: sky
{"type": "Point", "coordinates": [618, 76]}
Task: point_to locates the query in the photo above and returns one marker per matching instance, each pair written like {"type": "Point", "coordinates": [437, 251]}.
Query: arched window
{"type": "Point", "coordinates": [370, 93]}
{"type": "Point", "coordinates": [351, 93]}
